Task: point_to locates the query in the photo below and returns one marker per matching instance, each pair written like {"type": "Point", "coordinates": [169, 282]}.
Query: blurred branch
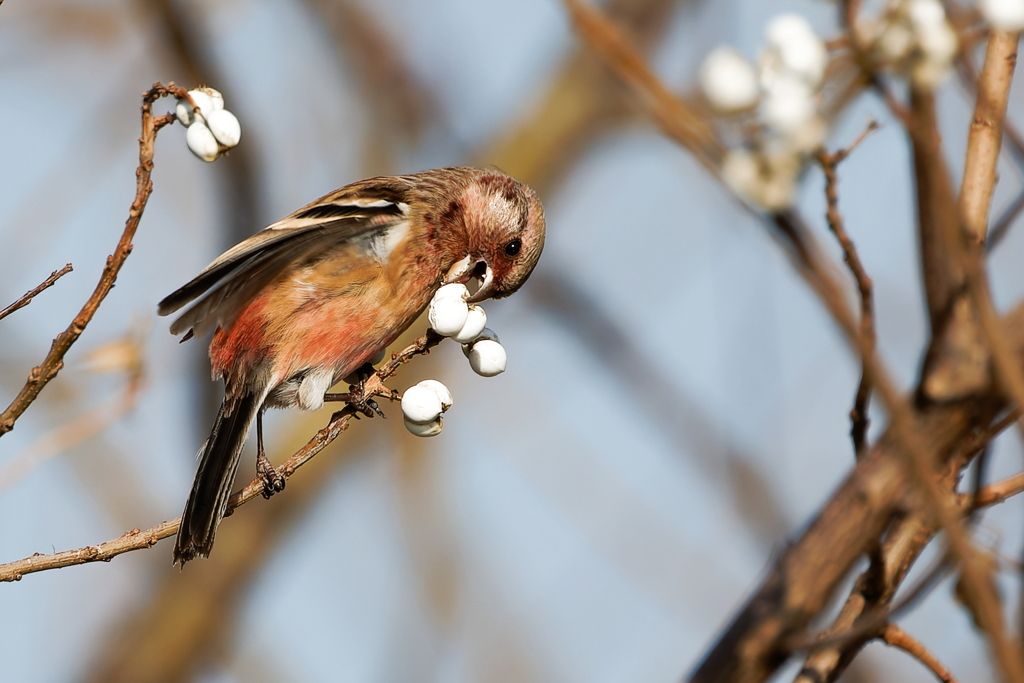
{"type": "Point", "coordinates": [896, 637]}
{"type": "Point", "coordinates": [994, 494]}
{"type": "Point", "coordinates": [583, 101]}
{"type": "Point", "coordinates": [938, 224]}
{"type": "Point", "coordinates": [848, 12]}
{"type": "Point", "coordinates": [867, 608]}
{"type": "Point", "coordinates": [184, 33]}
{"type": "Point", "coordinates": [679, 416]}
{"type": "Point", "coordinates": [800, 582]}
{"type": "Point", "coordinates": [986, 133]}
{"type": "Point", "coordinates": [983, 146]}
{"type": "Point", "coordinates": [400, 106]}
{"type": "Point", "coordinates": [85, 426]}
{"type": "Point", "coordinates": [183, 29]}
{"type": "Point", "coordinates": [754, 645]}
{"type": "Point", "coordinates": [31, 294]}
{"type": "Point", "coordinates": [54, 361]}
{"type": "Point", "coordinates": [186, 622]}
{"type": "Point", "coordinates": [136, 539]}
{"type": "Point", "coordinates": [676, 118]}
{"type": "Point", "coordinates": [967, 70]}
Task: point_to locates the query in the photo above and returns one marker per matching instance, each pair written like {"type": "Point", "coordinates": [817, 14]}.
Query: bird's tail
{"type": "Point", "coordinates": [218, 462]}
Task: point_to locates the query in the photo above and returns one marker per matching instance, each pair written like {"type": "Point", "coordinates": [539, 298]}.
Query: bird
{"type": "Point", "coordinates": [315, 296]}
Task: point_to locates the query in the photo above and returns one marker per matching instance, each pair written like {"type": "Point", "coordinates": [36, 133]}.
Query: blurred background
{"type": "Point", "coordinates": [676, 401]}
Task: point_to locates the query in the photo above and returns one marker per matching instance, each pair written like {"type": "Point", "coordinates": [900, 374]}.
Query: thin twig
{"type": "Point", "coordinates": [31, 294]}
{"type": "Point", "coordinates": [41, 375]}
{"type": "Point", "coordinates": [136, 539]}
{"type": "Point", "coordinates": [896, 637]}
{"type": "Point", "coordinates": [829, 163]}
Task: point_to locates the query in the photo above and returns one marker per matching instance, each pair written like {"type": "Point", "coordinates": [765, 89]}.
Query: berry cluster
{"type": "Point", "coordinates": [781, 95]}
{"type": "Point", "coordinates": [450, 315]}
{"type": "Point", "coordinates": [211, 129]}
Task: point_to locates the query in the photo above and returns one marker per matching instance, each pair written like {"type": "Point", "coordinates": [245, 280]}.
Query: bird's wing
{"type": "Point", "coordinates": [240, 273]}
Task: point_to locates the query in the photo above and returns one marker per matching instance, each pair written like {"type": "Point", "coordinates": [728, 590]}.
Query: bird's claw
{"type": "Point", "coordinates": [359, 401]}
{"type": "Point", "coordinates": [273, 481]}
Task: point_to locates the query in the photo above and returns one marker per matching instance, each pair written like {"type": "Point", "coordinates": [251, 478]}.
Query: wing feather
{"type": "Point", "coordinates": [240, 273]}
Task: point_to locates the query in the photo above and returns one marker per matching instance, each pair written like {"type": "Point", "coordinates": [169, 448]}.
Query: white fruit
{"type": "Point", "coordinates": [487, 358]}
{"type": "Point", "coordinates": [441, 390]}
{"type": "Point", "coordinates": [225, 127]}
{"type": "Point", "coordinates": [728, 80]}
{"type": "Point", "coordinates": [201, 141]}
{"type": "Point", "coordinates": [476, 321]}
{"type": "Point", "coordinates": [454, 290]}
{"type": "Point", "coordinates": [447, 315]}
{"type": "Point", "coordinates": [421, 404]}
{"type": "Point", "coordinates": [487, 333]}
{"type": "Point", "coordinates": [1005, 15]}
{"type": "Point", "coordinates": [432, 428]}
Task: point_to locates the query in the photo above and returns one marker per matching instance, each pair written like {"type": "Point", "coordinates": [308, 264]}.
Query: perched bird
{"type": "Point", "coordinates": [312, 298]}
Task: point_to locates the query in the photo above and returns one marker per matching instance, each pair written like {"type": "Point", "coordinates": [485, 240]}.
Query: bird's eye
{"type": "Point", "coordinates": [513, 247]}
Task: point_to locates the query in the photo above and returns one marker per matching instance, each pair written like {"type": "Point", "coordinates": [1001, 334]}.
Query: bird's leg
{"type": "Point", "coordinates": [273, 482]}
{"type": "Point", "coordinates": [356, 396]}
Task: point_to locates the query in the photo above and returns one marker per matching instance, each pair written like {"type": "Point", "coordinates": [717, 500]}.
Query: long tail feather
{"type": "Point", "coordinates": [211, 489]}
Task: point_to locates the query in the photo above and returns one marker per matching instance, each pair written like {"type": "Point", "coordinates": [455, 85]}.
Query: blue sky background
{"type": "Point", "coordinates": [561, 528]}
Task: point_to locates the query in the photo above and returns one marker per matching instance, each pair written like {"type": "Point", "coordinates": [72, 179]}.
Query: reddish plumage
{"type": "Point", "coordinates": [313, 297]}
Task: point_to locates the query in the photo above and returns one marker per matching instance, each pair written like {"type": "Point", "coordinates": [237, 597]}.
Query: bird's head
{"type": "Point", "coordinates": [501, 223]}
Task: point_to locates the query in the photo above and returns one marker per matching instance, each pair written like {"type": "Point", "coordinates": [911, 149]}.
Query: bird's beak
{"type": "Point", "coordinates": [486, 288]}
{"type": "Point", "coordinates": [468, 269]}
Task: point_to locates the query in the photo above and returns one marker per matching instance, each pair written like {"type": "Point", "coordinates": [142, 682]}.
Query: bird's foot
{"type": "Point", "coordinates": [359, 399]}
{"type": "Point", "coordinates": [273, 481]}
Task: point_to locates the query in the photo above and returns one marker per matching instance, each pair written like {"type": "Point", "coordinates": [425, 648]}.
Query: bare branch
{"type": "Point", "coordinates": [31, 294]}
{"type": "Point", "coordinates": [829, 163]}
{"type": "Point", "coordinates": [896, 637]}
{"type": "Point", "coordinates": [136, 539]}
{"type": "Point", "coordinates": [675, 117]}
{"type": "Point", "coordinates": [985, 138]}
{"type": "Point", "coordinates": [993, 494]}
{"type": "Point", "coordinates": [41, 375]}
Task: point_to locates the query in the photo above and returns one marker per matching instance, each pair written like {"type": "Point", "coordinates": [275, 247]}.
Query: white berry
{"type": "Point", "coordinates": [788, 103]}
{"type": "Point", "coordinates": [447, 315]}
{"type": "Point", "coordinates": [476, 321]}
{"type": "Point", "coordinates": [201, 141]}
{"type": "Point", "coordinates": [183, 110]}
{"type": "Point", "coordinates": [728, 80]}
{"type": "Point", "coordinates": [441, 390]}
{"type": "Point", "coordinates": [216, 99]}
{"type": "Point", "coordinates": [203, 101]}
{"type": "Point", "coordinates": [793, 49]}
{"type": "Point", "coordinates": [1005, 15]}
{"type": "Point", "coordinates": [207, 99]}
{"type": "Point", "coordinates": [487, 357]}
{"type": "Point", "coordinates": [432, 428]}
{"type": "Point", "coordinates": [455, 290]}
{"type": "Point", "coordinates": [225, 127]}
{"type": "Point", "coordinates": [421, 404]}
{"type": "Point", "coordinates": [487, 333]}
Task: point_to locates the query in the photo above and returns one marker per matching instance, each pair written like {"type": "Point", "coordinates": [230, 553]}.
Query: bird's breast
{"type": "Point", "coordinates": [328, 317]}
